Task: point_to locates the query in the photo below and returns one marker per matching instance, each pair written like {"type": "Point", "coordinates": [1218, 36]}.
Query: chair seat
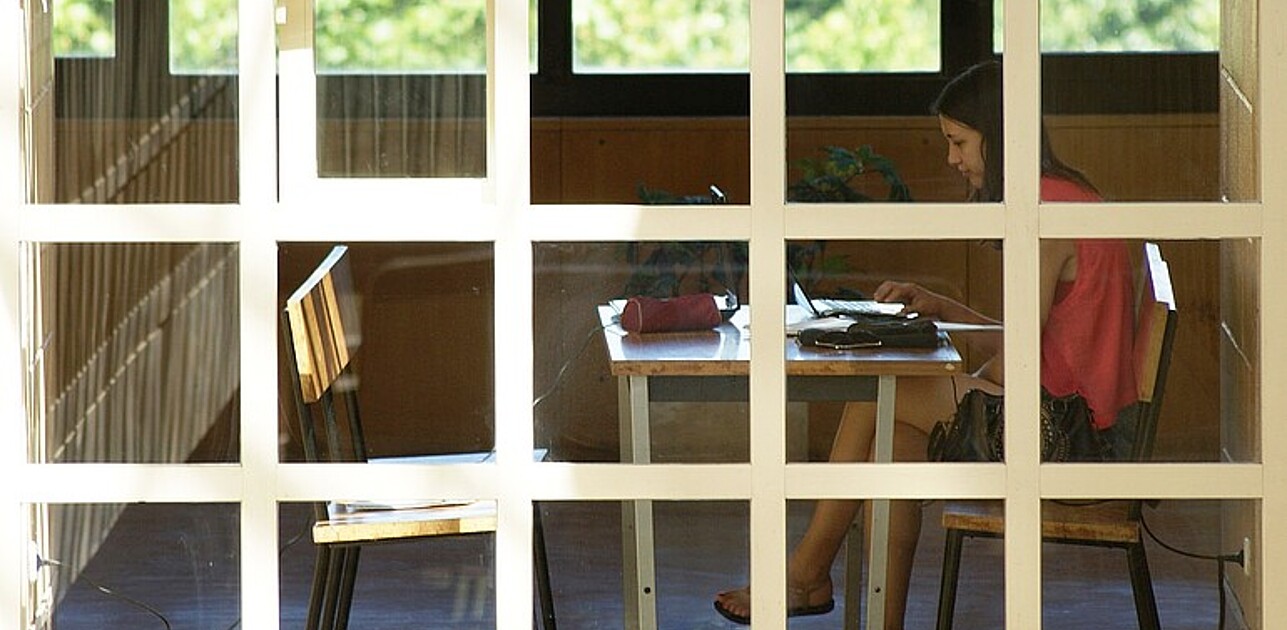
{"type": "Point", "coordinates": [370, 525]}
{"type": "Point", "coordinates": [371, 521]}
{"type": "Point", "coordinates": [1109, 522]}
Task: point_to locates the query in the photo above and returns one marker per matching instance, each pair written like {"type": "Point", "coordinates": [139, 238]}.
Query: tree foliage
{"type": "Point", "coordinates": [84, 28]}
{"type": "Point", "coordinates": [203, 36]}
{"type": "Point", "coordinates": [643, 36]}
{"type": "Point", "coordinates": [1129, 25]}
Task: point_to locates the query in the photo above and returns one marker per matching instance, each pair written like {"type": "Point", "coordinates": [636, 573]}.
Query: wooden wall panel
{"type": "Point", "coordinates": [1240, 291]}
{"type": "Point", "coordinates": [603, 161]}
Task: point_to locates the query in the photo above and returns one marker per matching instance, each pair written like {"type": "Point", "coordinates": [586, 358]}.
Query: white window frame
{"type": "Point", "coordinates": [498, 209]}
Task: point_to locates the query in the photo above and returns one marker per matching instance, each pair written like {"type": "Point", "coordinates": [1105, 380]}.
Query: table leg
{"type": "Point", "coordinates": [853, 573]}
{"type": "Point", "coordinates": [638, 567]}
{"type": "Point", "coordinates": [884, 452]}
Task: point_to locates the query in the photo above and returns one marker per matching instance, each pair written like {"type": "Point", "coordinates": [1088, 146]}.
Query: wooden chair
{"type": "Point", "coordinates": [1104, 524]}
{"type": "Point", "coordinates": [320, 323]}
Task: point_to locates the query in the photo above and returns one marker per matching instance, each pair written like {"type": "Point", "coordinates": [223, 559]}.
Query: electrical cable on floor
{"type": "Point", "coordinates": [1220, 560]}
{"type": "Point", "coordinates": [282, 552]}
{"type": "Point", "coordinates": [558, 378]}
{"type": "Point", "coordinates": [40, 562]}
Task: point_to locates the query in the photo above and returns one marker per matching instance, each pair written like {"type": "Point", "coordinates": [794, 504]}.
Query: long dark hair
{"type": "Point", "coordinates": [973, 98]}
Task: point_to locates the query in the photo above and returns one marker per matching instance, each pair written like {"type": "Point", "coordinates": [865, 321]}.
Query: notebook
{"type": "Point", "coordinates": [825, 307]}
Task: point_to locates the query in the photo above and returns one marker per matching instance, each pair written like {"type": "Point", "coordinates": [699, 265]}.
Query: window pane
{"type": "Point", "coordinates": [1088, 585]}
{"type": "Point", "coordinates": [855, 36]}
{"type": "Point", "coordinates": [422, 346]}
{"type": "Point", "coordinates": [132, 566]}
{"type": "Point", "coordinates": [583, 359]}
{"type": "Point", "coordinates": [700, 548]}
{"type": "Point", "coordinates": [85, 28]}
{"type": "Point", "coordinates": [1206, 411]}
{"type": "Point", "coordinates": [128, 130]}
{"type": "Point", "coordinates": [1146, 127]}
{"type": "Point", "coordinates": [135, 352]}
{"type": "Point", "coordinates": [928, 380]}
{"type": "Point", "coordinates": [203, 36]}
{"type": "Point", "coordinates": [441, 581]}
{"type": "Point", "coordinates": [401, 89]}
{"type": "Point", "coordinates": [1076, 26]}
{"type": "Point", "coordinates": [1136, 26]}
{"type": "Point", "coordinates": [661, 36]}
{"type": "Point", "coordinates": [366, 36]}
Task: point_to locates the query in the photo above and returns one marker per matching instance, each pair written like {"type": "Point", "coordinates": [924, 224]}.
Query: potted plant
{"type": "Point", "coordinates": [669, 268]}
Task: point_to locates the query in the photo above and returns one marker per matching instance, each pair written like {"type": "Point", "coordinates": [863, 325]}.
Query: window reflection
{"type": "Point", "coordinates": [130, 128]}
{"type": "Point", "coordinates": [450, 580]}
{"type": "Point", "coordinates": [134, 352]}
{"type": "Point", "coordinates": [700, 549]}
{"type": "Point", "coordinates": [423, 349]}
{"type": "Point", "coordinates": [583, 356]}
{"type": "Point", "coordinates": [103, 564]}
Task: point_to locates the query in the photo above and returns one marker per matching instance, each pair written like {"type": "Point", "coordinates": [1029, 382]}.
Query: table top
{"type": "Point", "coordinates": [726, 351]}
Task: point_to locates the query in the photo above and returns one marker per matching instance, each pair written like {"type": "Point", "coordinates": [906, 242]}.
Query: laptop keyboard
{"type": "Point", "coordinates": [828, 307]}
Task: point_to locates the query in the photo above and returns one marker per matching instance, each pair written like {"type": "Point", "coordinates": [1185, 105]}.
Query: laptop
{"type": "Point", "coordinates": [825, 307]}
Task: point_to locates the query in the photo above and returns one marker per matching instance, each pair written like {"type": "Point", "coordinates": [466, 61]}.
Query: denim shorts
{"type": "Point", "coordinates": [1121, 435]}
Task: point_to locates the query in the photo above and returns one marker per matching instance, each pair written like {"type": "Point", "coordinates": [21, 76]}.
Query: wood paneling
{"type": "Point", "coordinates": [1239, 301]}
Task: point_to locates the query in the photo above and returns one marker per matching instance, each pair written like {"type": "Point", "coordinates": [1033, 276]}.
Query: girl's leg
{"type": "Point", "coordinates": [921, 402]}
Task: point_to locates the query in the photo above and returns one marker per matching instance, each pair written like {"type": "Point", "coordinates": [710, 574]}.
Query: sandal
{"type": "Point", "coordinates": [742, 597]}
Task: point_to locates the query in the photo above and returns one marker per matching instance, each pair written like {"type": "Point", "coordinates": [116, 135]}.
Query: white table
{"type": "Point", "coordinates": [713, 366]}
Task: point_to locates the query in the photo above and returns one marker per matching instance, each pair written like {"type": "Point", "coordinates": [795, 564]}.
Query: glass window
{"type": "Point", "coordinates": [370, 37]}
{"type": "Point", "coordinates": [1090, 582]}
{"type": "Point", "coordinates": [701, 548]}
{"type": "Point", "coordinates": [203, 36]}
{"type": "Point", "coordinates": [421, 345]}
{"type": "Point", "coordinates": [1085, 26]}
{"type": "Point", "coordinates": [135, 352]}
{"type": "Point", "coordinates": [450, 580]}
{"type": "Point", "coordinates": [130, 130]}
{"type": "Point", "coordinates": [139, 565]}
{"type": "Point", "coordinates": [855, 36]}
{"type": "Point", "coordinates": [84, 28]}
{"type": "Point", "coordinates": [580, 293]}
{"type": "Point", "coordinates": [668, 36]}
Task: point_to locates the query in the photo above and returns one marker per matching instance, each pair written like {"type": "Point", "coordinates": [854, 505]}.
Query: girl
{"type": "Point", "coordinates": [1086, 294]}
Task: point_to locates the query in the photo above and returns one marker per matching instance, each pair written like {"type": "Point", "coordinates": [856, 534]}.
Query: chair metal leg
{"type": "Point", "coordinates": [1142, 588]}
{"type": "Point", "coordinates": [947, 583]}
{"type": "Point", "coordinates": [317, 593]}
{"type": "Point", "coordinates": [348, 577]}
{"type": "Point", "coordinates": [334, 565]}
{"type": "Point", "coordinates": [545, 593]}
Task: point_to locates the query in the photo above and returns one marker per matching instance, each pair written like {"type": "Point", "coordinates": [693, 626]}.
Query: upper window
{"type": "Point", "coordinates": [203, 36]}
{"type": "Point", "coordinates": [666, 36]}
{"type": "Point", "coordinates": [367, 36]}
{"type": "Point", "coordinates": [861, 36]}
{"type": "Point", "coordinates": [713, 36]}
{"type": "Point", "coordinates": [85, 28]}
{"type": "Point", "coordinates": [1087, 26]}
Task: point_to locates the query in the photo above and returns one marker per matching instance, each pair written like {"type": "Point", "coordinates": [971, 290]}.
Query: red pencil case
{"type": "Point", "coordinates": [696, 311]}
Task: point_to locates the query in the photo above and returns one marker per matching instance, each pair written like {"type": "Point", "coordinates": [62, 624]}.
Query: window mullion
{"type": "Point", "coordinates": [767, 280]}
{"type": "Point", "coordinates": [1022, 106]}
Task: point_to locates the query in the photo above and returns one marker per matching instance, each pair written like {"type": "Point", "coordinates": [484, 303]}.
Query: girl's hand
{"type": "Point", "coordinates": [915, 298]}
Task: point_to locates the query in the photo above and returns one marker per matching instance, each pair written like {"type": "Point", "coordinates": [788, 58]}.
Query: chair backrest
{"type": "Point", "coordinates": [1154, 335]}
{"type": "Point", "coordinates": [321, 329]}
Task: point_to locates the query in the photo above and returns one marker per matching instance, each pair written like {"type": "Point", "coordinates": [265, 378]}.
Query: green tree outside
{"type": "Point", "coordinates": [446, 36]}
{"type": "Point", "coordinates": [84, 28]}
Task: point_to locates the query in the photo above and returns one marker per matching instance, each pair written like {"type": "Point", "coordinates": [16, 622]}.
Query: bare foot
{"type": "Point", "coordinates": [735, 605]}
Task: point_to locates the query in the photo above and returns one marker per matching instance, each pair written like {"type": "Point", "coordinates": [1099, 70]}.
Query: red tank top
{"type": "Point", "coordinates": [1087, 340]}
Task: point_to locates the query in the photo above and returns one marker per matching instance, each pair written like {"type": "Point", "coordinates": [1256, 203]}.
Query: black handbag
{"type": "Point", "coordinates": [976, 431]}
{"type": "Point", "coordinates": [868, 331]}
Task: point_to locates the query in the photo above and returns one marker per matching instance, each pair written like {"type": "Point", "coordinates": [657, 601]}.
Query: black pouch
{"type": "Point", "coordinates": [837, 339]}
{"type": "Point", "coordinates": [897, 332]}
